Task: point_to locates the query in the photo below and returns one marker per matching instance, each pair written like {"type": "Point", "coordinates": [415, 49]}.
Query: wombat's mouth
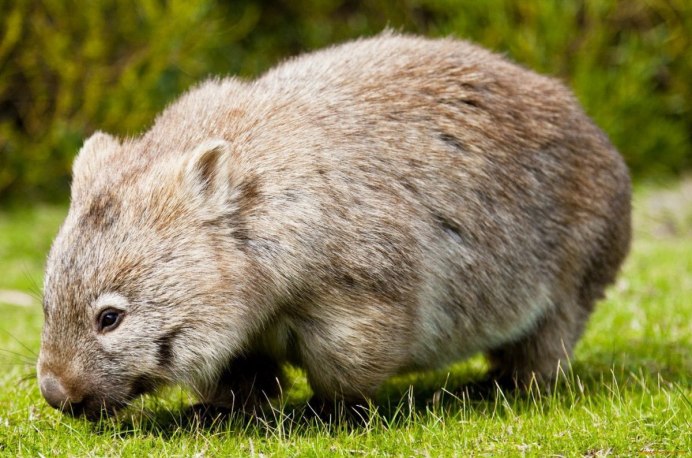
{"type": "Point", "coordinates": [104, 408]}
{"type": "Point", "coordinates": [95, 407]}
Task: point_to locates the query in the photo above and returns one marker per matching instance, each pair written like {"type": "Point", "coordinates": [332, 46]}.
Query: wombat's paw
{"type": "Point", "coordinates": [244, 389]}
{"type": "Point", "coordinates": [338, 412]}
{"type": "Point", "coordinates": [212, 414]}
{"type": "Point", "coordinates": [498, 382]}
{"type": "Point", "coordinates": [483, 389]}
{"type": "Point", "coordinates": [207, 414]}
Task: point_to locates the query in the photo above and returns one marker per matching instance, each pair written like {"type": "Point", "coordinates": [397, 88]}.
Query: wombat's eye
{"type": "Point", "coordinates": [109, 319]}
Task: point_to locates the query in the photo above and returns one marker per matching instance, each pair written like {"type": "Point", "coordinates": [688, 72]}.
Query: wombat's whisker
{"type": "Point", "coordinates": [28, 359]}
{"type": "Point", "coordinates": [31, 378]}
{"type": "Point", "coordinates": [22, 344]}
{"type": "Point", "coordinates": [34, 286]}
{"type": "Point", "coordinates": [11, 365]}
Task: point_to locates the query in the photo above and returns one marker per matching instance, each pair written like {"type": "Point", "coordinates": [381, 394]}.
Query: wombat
{"type": "Point", "coordinates": [388, 205]}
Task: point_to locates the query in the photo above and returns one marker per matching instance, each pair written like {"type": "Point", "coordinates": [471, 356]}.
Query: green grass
{"type": "Point", "coordinates": [628, 393]}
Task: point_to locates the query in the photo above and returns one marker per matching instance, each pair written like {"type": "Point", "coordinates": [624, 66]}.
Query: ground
{"type": "Point", "coordinates": [628, 393]}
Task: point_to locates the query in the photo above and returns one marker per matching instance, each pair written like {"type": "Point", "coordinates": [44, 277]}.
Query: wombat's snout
{"type": "Point", "coordinates": [59, 397]}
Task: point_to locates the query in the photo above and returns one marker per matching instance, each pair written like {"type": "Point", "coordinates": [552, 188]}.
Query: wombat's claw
{"type": "Point", "coordinates": [488, 387]}
{"type": "Point", "coordinates": [337, 412]}
{"type": "Point", "coordinates": [208, 414]}
{"type": "Point", "coordinates": [498, 382]}
{"type": "Point", "coordinates": [480, 390]}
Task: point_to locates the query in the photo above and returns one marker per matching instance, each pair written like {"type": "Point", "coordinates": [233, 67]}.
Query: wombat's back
{"type": "Point", "coordinates": [464, 188]}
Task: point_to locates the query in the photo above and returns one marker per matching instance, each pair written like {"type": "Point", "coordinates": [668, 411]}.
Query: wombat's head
{"type": "Point", "coordinates": [142, 284]}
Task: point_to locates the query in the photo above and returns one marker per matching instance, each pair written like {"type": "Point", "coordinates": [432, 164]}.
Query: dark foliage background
{"type": "Point", "coordinates": [68, 68]}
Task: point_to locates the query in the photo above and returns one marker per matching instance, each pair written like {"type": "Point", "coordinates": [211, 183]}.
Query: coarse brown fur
{"type": "Point", "coordinates": [387, 205]}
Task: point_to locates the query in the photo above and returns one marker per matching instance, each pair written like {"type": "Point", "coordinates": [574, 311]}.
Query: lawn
{"type": "Point", "coordinates": [629, 392]}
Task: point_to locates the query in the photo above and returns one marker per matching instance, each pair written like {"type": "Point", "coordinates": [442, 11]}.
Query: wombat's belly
{"type": "Point", "coordinates": [443, 330]}
{"type": "Point", "coordinates": [445, 334]}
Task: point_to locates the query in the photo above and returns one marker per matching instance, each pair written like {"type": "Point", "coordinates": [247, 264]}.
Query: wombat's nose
{"type": "Point", "coordinates": [57, 396]}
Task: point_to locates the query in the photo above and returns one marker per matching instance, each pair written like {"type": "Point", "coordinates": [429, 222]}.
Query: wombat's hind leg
{"type": "Point", "coordinates": [245, 385]}
{"type": "Point", "coordinates": [539, 356]}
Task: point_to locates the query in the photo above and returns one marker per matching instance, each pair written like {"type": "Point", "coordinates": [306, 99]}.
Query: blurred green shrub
{"type": "Point", "coordinates": [68, 68]}
{"type": "Point", "coordinates": [628, 61]}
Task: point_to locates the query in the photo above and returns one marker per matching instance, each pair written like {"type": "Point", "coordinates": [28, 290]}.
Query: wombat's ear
{"type": "Point", "coordinates": [206, 172]}
{"type": "Point", "coordinates": [91, 160]}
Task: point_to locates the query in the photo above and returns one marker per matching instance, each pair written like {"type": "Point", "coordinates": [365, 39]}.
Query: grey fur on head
{"type": "Point", "coordinates": [387, 205]}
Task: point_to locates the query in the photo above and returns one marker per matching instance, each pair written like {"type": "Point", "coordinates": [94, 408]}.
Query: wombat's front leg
{"type": "Point", "coordinates": [349, 344]}
{"type": "Point", "coordinates": [244, 386]}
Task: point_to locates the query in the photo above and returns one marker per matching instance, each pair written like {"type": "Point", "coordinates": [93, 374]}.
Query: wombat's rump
{"type": "Point", "coordinates": [386, 205]}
